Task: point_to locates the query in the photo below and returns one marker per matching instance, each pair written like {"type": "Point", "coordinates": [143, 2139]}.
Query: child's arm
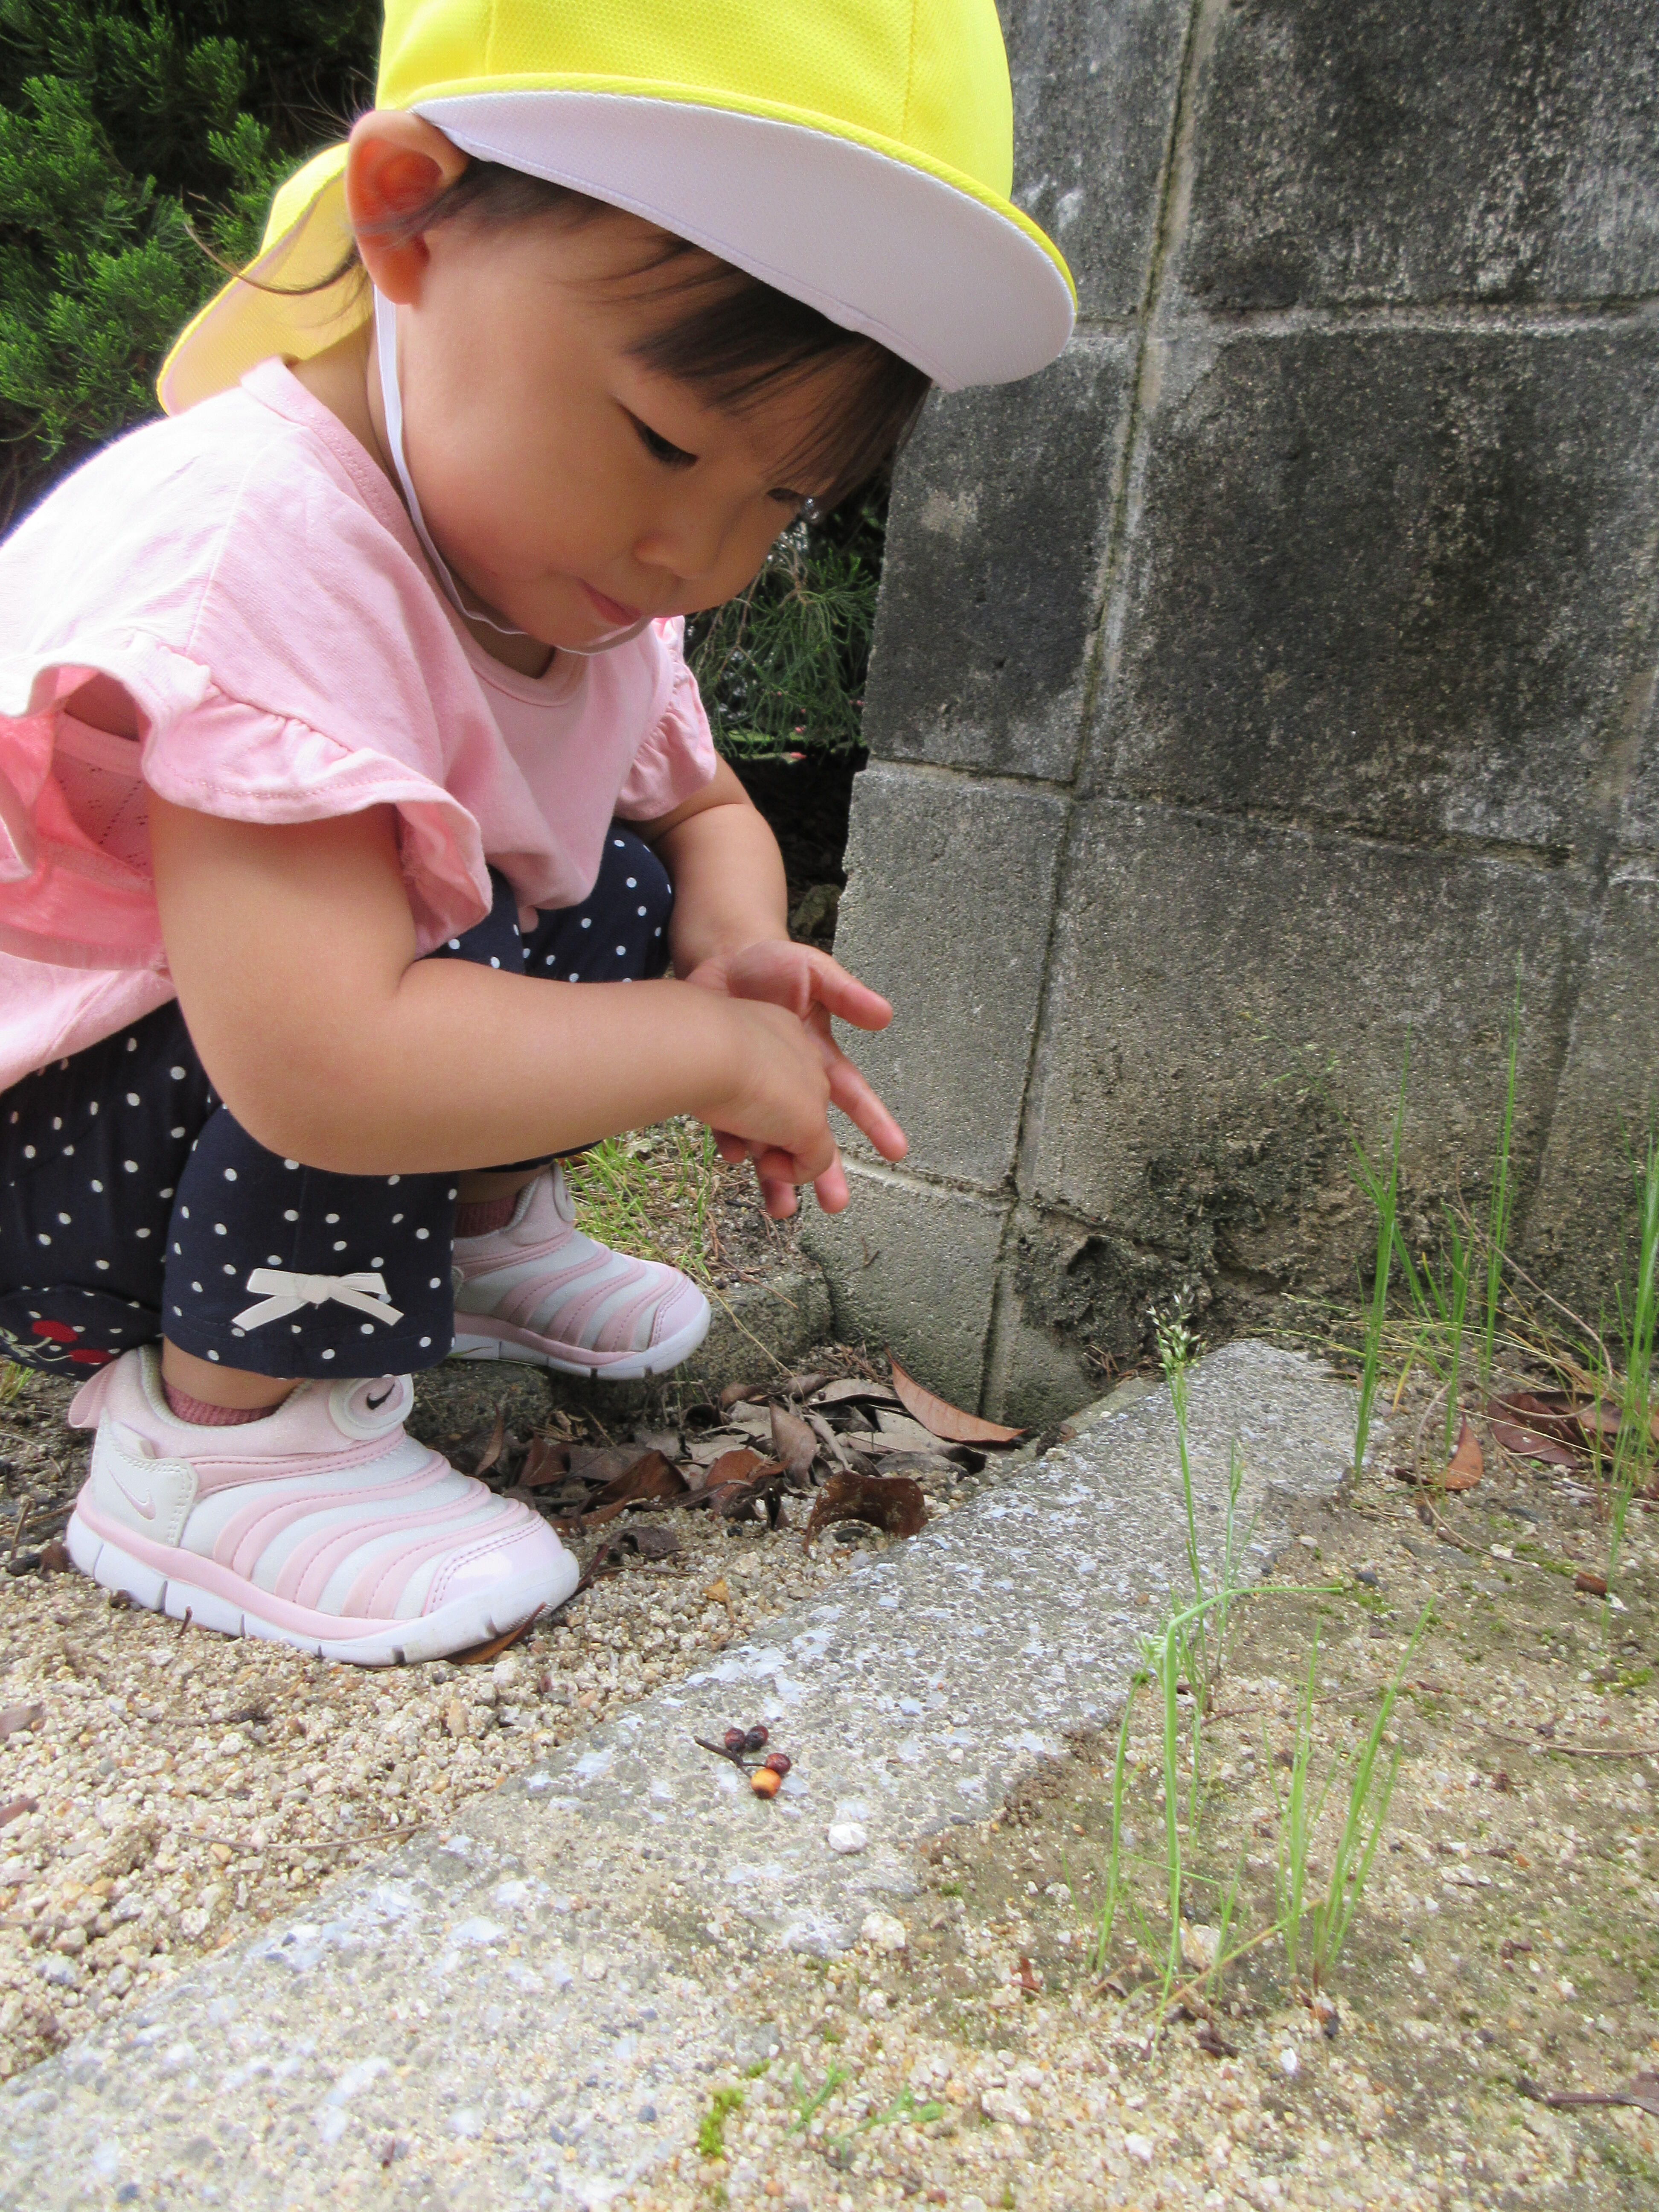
{"type": "Point", "coordinates": [729, 933]}
{"type": "Point", "coordinates": [294, 953]}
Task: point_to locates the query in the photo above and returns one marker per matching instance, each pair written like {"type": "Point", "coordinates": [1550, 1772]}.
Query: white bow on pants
{"type": "Point", "coordinates": [288, 1292]}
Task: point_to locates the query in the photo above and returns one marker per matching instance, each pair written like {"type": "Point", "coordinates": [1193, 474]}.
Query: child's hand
{"type": "Point", "coordinates": [813, 987]}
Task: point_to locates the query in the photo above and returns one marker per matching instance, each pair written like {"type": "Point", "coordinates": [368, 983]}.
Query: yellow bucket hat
{"type": "Point", "coordinates": [857, 155]}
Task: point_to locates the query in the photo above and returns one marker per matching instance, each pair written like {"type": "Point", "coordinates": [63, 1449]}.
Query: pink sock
{"type": "Point", "coordinates": [210, 1417]}
{"type": "Point", "coordinates": [483, 1214]}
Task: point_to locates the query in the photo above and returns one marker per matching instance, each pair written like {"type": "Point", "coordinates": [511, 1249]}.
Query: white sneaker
{"type": "Point", "coordinates": [539, 1289]}
{"type": "Point", "coordinates": [323, 1525]}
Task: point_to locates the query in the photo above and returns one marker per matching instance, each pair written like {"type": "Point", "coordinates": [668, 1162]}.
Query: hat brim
{"type": "Point", "coordinates": [926, 261]}
{"type": "Point", "coordinates": [930, 263]}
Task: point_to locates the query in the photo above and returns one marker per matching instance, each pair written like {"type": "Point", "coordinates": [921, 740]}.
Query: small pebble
{"type": "Point", "coordinates": [884, 1931]}
{"type": "Point", "coordinates": [846, 1836]}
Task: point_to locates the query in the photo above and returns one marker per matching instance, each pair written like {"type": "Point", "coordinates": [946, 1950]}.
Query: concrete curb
{"type": "Point", "coordinates": [532, 2004]}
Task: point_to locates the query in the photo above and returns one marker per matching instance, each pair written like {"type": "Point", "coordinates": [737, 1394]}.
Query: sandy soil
{"type": "Point", "coordinates": [1508, 1933]}
{"type": "Point", "coordinates": [188, 1788]}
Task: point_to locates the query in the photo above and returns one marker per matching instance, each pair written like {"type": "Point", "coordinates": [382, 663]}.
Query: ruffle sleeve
{"type": "Point", "coordinates": [678, 757]}
{"type": "Point", "coordinates": [72, 897]}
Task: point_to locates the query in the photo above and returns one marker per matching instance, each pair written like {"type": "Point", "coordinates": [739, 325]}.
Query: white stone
{"type": "Point", "coordinates": [1288, 2061]}
{"type": "Point", "coordinates": [884, 1930]}
{"type": "Point", "coordinates": [1140, 2147]}
{"type": "Point", "coordinates": [846, 1836]}
{"type": "Point", "coordinates": [1000, 2104]}
{"type": "Point", "coordinates": [1199, 1945]}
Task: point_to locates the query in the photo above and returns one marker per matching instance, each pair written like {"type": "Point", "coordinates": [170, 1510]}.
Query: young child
{"type": "Point", "coordinates": [355, 796]}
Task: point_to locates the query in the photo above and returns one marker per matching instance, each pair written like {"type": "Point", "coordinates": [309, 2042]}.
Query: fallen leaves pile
{"type": "Point", "coordinates": [1577, 1435]}
{"type": "Point", "coordinates": [859, 1447]}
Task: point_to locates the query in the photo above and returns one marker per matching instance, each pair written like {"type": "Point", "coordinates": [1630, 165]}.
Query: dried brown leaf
{"type": "Point", "coordinates": [732, 1466]}
{"type": "Point", "coordinates": [739, 1394]}
{"type": "Point", "coordinates": [754, 1421]}
{"type": "Point", "coordinates": [898, 1433]}
{"type": "Point", "coordinates": [477, 1654]}
{"type": "Point", "coordinates": [853, 1386]}
{"type": "Point", "coordinates": [889, 1502]}
{"type": "Point", "coordinates": [1465, 1466]}
{"type": "Point", "coordinates": [944, 1419]}
{"type": "Point", "coordinates": [761, 1489]}
{"type": "Point", "coordinates": [1642, 2094]}
{"type": "Point", "coordinates": [547, 1461]}
{"type": "Point", "coordinates": [55, 1557]}
{"type": "Point", "coordinates": [1529, 1443]}
{"type": "Point", "coordinates": [649, 1542]}
{"type": "Point", "coordinates": [650, 1480]}
{"type": "Point", "coordinates": [492, 1450]}
{"type": "Point", "coordinates": [1596, 1585]}
{"type": "Point", "coordinates": [706, 1450]}
{"type": "Point", "coordinates": [827, 1437]}
{"type": "Point", "coordinates": [793, 1442]}
{"type": "Point", "coordinates": [15, 1719]}
{"type": "Point", "coordinates": [802, 1386]}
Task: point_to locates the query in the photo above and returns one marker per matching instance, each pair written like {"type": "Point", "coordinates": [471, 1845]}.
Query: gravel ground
{"type": "Point", "coordinates": [169, 1792]}
{"type": "Point", "coordinates": [967, 2053]}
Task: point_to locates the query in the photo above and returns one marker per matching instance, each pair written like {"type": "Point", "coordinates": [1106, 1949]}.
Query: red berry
{"type": "Point", "coordinates": [779, 1761]}
{"type": "Point", "coordinates": [756, 1739]}
{"type": "Point", "coordinates": [735, 1740]}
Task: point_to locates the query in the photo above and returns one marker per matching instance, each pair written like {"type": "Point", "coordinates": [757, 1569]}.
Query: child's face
{"type": "Point", "coordinates": [571, 489]}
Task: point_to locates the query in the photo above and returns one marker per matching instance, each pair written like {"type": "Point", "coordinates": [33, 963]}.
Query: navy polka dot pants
{"type": "Point", "coordinates": [133, 1205]}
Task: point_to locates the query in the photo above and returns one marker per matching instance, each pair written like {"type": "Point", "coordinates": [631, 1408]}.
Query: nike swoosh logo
{"type": "Point", "coordinates": [376, 1404]}
{"type": "Point", "coordinates": [145, 1506]}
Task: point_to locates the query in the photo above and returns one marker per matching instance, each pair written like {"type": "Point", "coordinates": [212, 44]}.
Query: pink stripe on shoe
{"type": "Point", "coordinates": [619, 1331]}
{"type": "Point", "coordinates": [307, 1571]}
{"type": "Point", "coordinates": [526, 1299]}
{"type": "Point", "coordinates": [383, 1582]}
{"type": "Point", "coordinates": [569, 1321]}
{"type": "Point", "coordinates": [211, 1575]}
{"type": "Point", "coordinates": [244, 1540]}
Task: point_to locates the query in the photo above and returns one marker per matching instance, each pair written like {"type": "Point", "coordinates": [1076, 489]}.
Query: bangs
{"type": "Point", "coordinates": [734, 340]}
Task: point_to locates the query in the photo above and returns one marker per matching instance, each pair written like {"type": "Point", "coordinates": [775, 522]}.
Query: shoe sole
{"type": "Point", "coordinates": [487, 1339]}
{"type": "Point", "coordinates": [454, 1627]}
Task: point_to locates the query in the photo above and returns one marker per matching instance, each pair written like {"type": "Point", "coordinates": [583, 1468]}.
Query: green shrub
{"type": "Point", "coordinates": [125, 125]}
{"type": "Point", "coordinates": [782, 668]}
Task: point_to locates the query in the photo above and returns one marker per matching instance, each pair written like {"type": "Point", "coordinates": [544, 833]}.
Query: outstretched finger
{"type": "Point", "coordinates": [776, 1171]}
{"type": "Point", "coordinates": [845, 997]}
{"type": "Point", "coordinates": [862, 1106]}
{"type": "Point", "coordinates": [830, 1190]}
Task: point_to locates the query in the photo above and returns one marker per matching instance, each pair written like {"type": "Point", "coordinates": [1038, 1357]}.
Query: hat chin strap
{"type": "Point", "coordinates": [386, 353]}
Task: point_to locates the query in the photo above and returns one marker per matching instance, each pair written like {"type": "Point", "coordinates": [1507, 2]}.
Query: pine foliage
{"type": "Point", "coordinates": [127, 126]}
{"type": "Point", "coordinates": [782, 666]}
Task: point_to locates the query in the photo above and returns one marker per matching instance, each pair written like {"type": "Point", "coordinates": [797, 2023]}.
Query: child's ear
{"type": "Point", "coordinates": [396, 166]}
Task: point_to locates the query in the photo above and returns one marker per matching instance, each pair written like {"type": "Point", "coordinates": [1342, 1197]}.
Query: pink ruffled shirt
{"type": "Point", "coordinates": [247, 575]}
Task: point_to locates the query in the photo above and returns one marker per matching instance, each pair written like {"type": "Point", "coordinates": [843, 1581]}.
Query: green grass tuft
{"type": "Point", "coordinates": [711, 2128]}
{"type": "Point", "coordinates": [650, 1194]}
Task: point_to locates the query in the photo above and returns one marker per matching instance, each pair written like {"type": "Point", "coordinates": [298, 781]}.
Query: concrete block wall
{"type": "Point", "coordinates": [1270, 682]}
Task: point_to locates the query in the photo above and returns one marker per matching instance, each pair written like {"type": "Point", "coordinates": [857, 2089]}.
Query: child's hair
{"type": "Point", "coordinates": [735, 338]}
